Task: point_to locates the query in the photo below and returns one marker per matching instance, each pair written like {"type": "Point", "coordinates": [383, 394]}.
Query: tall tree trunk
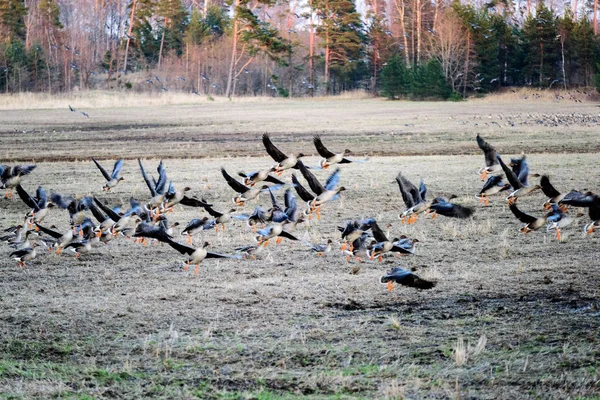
{"type": "Point", "coordinates": [327, 56]}
{"type": "Point", "coordinates": [228, 92]}
{"type": "Point", "coordinates": [419, 28]}
{"type": "Point", "coordinates": [413, 23]}
{"type": "Point", "coordinates": [541, 62]}
{"type": "Point", "coordinates": [595, 17]}
{"type": "Point", "coordinates": [129, 35]}
{"type": "Point", "coordinates": [468, 55]}
{"type": "Point", "coordinates": [435, 14]}
{"type": "Point", "coordinates": [400, 8]}
{"type": "Point", "coordinates": [162, 43]}
{"type": "Point", "coordinates": [327, 52]}
{"type": "Point", "coordinates": [311, 50]}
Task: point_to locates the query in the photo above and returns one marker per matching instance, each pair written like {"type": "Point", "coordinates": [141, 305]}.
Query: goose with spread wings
{"type": "Point", "coordinates": [594, 213]}
{"type": "Point", "coordinates": [253, 178]}
{"type": "Point", "coordinates": [330, 158]}
{"type": "Point", "coordinates": [10, 177]}
{"type": "Point", "coordinates": [443, 206]}
{"type": "Point", "coordinates": [195, 255]}
{"type": "Point", "coordinates": [353, 230]}
{"type": "Point", "coordinates": [264, 235]}
{"type": "Point", "coordinates": [175, 196]}
{"type": "Point", "coordinates": [588, 200]}
{"type": "Point", "coordinates": [75, 206]}
{"type": "Point", "coordinates": [39, 204]}
{"type": "Point", "coordinates": [414, 199]}
{"type": "Point", "coordinates": [158, 188]}
{"type": "Point", "coordinates": [283, 161]}
{"type": "Point", "coordinates": [405, 278]}
{"type": "Point", "coordinates": [245, 193]}
{"type": "Point", "coordinates": [493, 185]}
{"type": "Point", "coordinates": [113, 179]}
{"type": "Point", "coordinates": [534, 223]}
{"type": "Point", "coordinates": [554, 196]}
{"type": "Point", "coordinates": [519, 183]}
{"type": "Point", "coordinates": [491, 162]}
{"type": "Point", "coordinates": [323, 194]}
{"type": "Point", "coordinates": [384, 245]}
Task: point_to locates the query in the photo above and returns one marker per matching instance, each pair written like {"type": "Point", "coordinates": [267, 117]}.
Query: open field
{"type": "Point", "coordinates": [125, 321]}
{"type": "Point", "coordinates": [372, 126]}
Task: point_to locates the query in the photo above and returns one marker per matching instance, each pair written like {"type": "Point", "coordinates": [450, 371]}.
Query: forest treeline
{"type": "Point", "coordinates": [417, 49]}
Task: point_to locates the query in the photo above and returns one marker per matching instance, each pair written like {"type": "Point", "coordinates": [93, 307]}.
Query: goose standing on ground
{"type": "Point", "coordinates": [15, 234]}
{"type": "Point", "coordinates": [414, 199]}
{"type": "Point", "coordinates": [491, 163]}
{"type": "Point", "coordinates": [283, 161]}
{"type": "Point", "coordinates": [24, 255]}
{"type": "Point", "coordinates": [406, 278]}
{"type": "Point", "coordinates": [321, 249]}
{"type": "Point", "coordinates": [518, 183]}
{"type": "Point", "coordinates": [330, 158]}
{"type": "Point", "coordinates": [10, 177]}
{"type": "Point", "coordinates": [113, 179]}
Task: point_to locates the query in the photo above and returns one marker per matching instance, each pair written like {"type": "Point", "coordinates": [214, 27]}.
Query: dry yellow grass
{"type": "Point", "coordinates": [126, 321]}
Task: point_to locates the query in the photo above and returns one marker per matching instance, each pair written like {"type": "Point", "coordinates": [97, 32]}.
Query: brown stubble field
{"type": "Point", "coordinates": [126, 321]}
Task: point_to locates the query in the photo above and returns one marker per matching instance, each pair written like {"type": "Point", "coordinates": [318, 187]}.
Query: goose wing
{"type": "Point", "coordinates": [101, 168]}
{"type": "Point", "coordinates": [510, 175]}
{"type": "Point", "coordinates": [312, 180]}
{"type": "Point", "coordinates": [273, 151]}
{"type": "Point", "coordinates": [521, 216]}
{"type": "Point", "coordinates": [489, 152]}
{"type": "Point", "coordinates": [321, 149]}
{"type": "Point", "coordinates": [233, 183]}
{"type": "Point", "coordinates": [304, 194]}
{"type": "Point", "coordinates": [547, 187]}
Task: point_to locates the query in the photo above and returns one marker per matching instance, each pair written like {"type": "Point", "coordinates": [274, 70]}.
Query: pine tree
{"type": "Point", "coordinates": [342, 37]}
{"type": "Point", "coordinates": [12, 20]}
{"type": "Point", "coordinates": [395, 78]}
{"type": "Point", "coordinates": [174, 18]}
{"type": "Point", "coordinates": [257, 37]}
{"type": "Point", "coordinates": [540, 32]}
{"type": "Point", "coordinates": [585, 50]}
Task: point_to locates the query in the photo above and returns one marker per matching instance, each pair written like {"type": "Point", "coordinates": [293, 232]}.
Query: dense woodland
{"type": "Point", "coordinates": [285, 48]}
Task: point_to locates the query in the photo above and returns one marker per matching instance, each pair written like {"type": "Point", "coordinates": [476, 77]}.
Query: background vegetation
{"type": "Point", "coordinates": [399, 48]}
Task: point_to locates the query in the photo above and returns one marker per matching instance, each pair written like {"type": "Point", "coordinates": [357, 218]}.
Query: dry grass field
{"type": "Point", "coordinates": [513, 316]}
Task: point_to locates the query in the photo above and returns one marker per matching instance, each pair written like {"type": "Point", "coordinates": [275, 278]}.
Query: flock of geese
{"type": "Point", "coordinates": [92, 222]}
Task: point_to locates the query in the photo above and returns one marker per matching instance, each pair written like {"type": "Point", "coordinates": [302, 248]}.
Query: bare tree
{"type": "Point", "coordinates": [449, 46]}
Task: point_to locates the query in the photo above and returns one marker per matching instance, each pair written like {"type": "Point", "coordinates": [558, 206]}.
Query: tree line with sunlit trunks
{"type": "Point", "coordinates": [396, 48]}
